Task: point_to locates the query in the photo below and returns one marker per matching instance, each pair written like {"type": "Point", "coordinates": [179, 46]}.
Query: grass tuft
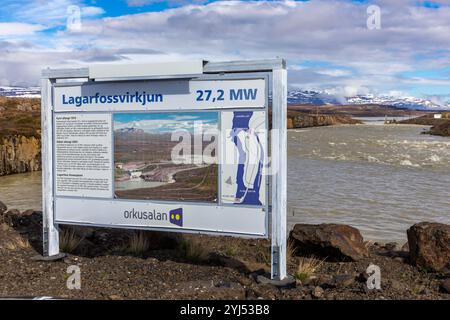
{"type": "Point", "coordinates": [232, 249]}
{"type": "Point", "coordinates": [307, 266]}
{"type": "Point", "coordinates": [138, 243]}
{"type": "Point", "coordinates": [16, 243]}
{"type": "Point", "coordinates": [291, 250]}
{"type": "Point", "coordinates": [192, 249]}
{"type": "Point", "coordinates": [69, 241]}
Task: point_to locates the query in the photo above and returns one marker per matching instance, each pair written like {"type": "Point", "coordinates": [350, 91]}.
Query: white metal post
{"type": "Point", "coordinates": [279, 173]}
{"type": "Point", "coordinates": [50, 230]}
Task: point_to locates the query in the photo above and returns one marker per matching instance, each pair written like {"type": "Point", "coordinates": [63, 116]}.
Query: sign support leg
{"type": "Point", "coordinates": [279, 173]}
{"type": "Point", "coordinates": [50, 230]}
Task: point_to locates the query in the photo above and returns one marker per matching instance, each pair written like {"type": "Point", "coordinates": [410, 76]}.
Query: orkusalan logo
{"type": "Point", "coordinates": [175, 215]}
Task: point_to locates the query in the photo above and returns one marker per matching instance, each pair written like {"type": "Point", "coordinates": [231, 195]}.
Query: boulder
{"type": "Point", "coordinates": [336, 242]}
{"type": "Point", "coordinates": [445, 286]}
{"type": "Point", "coordinates": [9, 215]}
{"type": "Point", "coordinates": [429, 245]}
{"type": "Point", "coordinates": [3, 207]}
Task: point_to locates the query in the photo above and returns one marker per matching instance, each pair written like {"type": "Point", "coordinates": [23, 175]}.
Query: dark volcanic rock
{"type": "Point", "coordinates": [333, 241]}
{"type": "Point", "coordinates": [405, 247]}
{"type": "Point", "coordinates": [445, 286]}
{"type": "Point", "coordinates": [429, 245]}
{"type": "Point", "coordinates": [441, 129]}
{"type": "Point", "coordinates": [3, 207]}
{"type": "Point", "coordinates": [344, 280]}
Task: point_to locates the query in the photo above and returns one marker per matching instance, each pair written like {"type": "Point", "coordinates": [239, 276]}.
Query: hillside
{"type": "Point", "coordinates": [298, 119]}
{"type": "Point", "coordinates": [440, 127]}
{"type": "Point", "coordinates": [20, 116]}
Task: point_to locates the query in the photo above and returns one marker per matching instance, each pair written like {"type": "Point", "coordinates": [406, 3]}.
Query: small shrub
{"type": "Point", "coordinates": [232, 249]}
{"type": "Point", "coordinates": [307, 267]}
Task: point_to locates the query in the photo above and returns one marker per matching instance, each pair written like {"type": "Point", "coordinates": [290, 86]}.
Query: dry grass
{"type": "Point", "coordinates": [138, 243]}
{"type": "Point", "coordinates": [291, 250]}
{"type": "Point", "coordinates": [192, 249]}
{"type": "Point", "coordinates": [69, 241]}
{"type": "Point", "coordinates": [307, 266]}
{"type": "Point", "coordinates": [263, 255]}
{"type": "Point", "coordinates": [16, 243]}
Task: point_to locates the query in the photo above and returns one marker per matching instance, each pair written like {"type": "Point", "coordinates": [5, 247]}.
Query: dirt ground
{"type": "Point", "coordinates": [189, 267]}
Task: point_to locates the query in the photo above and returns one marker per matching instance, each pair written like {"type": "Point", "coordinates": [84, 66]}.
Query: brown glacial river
{"type": "Point", "coordinates": [380, 179]}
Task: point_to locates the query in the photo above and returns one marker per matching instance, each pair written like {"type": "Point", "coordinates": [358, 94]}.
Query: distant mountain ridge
{"type": "Point", "coordinates": [300, 97]}
{"type": "Point", "coordinates": [129, 130]}
{"type": "Point", "coordinates": [31, 92]}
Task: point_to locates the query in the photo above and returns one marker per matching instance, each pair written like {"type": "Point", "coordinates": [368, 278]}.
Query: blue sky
{"type": "Point", "coordinates": [166, 122]}
{"type": "Point", "coordinates": [327, 43]}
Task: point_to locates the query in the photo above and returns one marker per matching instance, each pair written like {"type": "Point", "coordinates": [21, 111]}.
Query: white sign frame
{"type": "Point", "coordinates": [275, 75]}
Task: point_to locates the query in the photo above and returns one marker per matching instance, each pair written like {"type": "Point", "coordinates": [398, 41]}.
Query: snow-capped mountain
{"type": "Point", "coordinates": [129, 130]}
{"type": "Point", "coordinates": [298, 96]}
{"type": "Point", "coordinates": [32, 92]}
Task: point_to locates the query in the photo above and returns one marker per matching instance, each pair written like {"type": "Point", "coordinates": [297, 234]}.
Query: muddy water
{"type": "Point", "coordinates": [21, 191]}
{"type": "Point", "coordinates": [380, 179]}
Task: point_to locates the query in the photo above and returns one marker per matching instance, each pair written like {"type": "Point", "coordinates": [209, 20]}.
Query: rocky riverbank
{"type": "Point", "coordinates": [20, 145]}
{"type": "Point", "coordinates": [440, 127]}
{"type": "Point", "coordinates": [121, 264]}
{"type": "Point", "coordinates": [19, 154]}
{"type": "Point", "coordinates": [305, 120]}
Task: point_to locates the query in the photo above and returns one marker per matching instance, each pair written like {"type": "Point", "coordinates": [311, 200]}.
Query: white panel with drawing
{"type": "Point", "coordinates": [244, 154]}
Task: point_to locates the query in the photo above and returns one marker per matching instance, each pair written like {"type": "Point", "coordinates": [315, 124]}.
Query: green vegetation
{"type": "Point", "coordinates": [307, 267]}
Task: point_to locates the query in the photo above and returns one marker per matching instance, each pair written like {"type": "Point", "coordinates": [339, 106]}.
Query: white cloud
{"type": "Point", "coordinates": [51, 13]}
{"type": "Point", "coordinates": [91, 11]}
{"type": "Point", "coordinates": [334, 72]}
{"type": "Point", "coordinates": [139, 3]}
{"type": "Point", "coordinates": [8, 29]}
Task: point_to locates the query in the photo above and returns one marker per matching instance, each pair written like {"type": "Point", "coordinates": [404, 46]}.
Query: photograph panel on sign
{"type": "Point", "coordinates": [166, 156]}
